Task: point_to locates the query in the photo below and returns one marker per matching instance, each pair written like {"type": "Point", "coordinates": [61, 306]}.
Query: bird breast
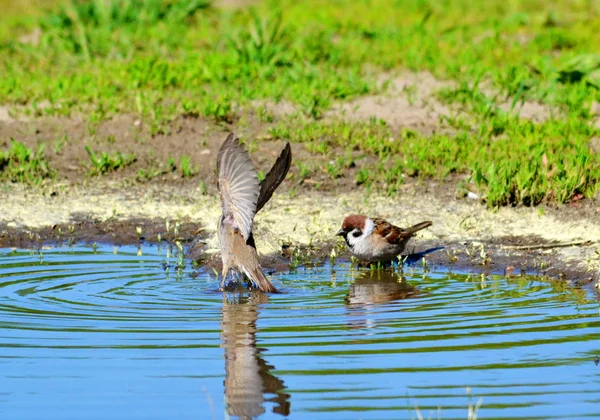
{"type": "Point", "coordinates": [376, 248]}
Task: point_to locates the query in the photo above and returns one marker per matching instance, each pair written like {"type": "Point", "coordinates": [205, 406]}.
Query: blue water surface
{"type": "Point", "coordinates": [122, 333]}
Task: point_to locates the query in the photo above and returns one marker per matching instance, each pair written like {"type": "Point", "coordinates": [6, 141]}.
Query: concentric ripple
{"type": "Point", "coordinates": [115, 333]}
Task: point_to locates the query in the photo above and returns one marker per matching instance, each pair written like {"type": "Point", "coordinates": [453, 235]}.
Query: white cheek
{"type": "Point", "coordinates": [369, 228]}
{"type": "Point", "coordinates": [361, 247]}
{"type": "Point", "coordinates": [353, 240]}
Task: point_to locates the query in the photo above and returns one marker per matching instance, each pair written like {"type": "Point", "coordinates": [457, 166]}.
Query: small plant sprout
{"type": "Point", "coordinates": [94, 247]}
{"type": "Point", "coordinates": [71, 229]}
{"type": "Point", "coordinates": [295, 260]}
{"type": "Point", "coordinates": [202, 187]}
{"type": "Point", "coordinates": [332, 256]}
{"type": "Point", "coordinates": [303, 171]}
{"type": "Point", "coordinates": [424, 264]}
{"type": "Point", "coordinates": [181, 257]}
{"type": "Point", "coordinates": [452, 258]}
{"type": "Point", "coordinates": [483, 281]}
{"type": "Point", "coordinates": [485, 257]}
{"type": "Point", "coordinates": [171, 164]}
{"type": "Point", "coordinates": [187, 169]}
{"type": "Point", "coordinates": [402, 259]}
{"type": "Point", "coordinates": [473, 409]}
{"type": "Point", "coordinates": [168, 226]}
{"type": "Point", "coordinates": [159, 238]}
{"type": "Point", "coordinates": [138, 230]}
{"type": "Point", "coordinates": [470, 250]}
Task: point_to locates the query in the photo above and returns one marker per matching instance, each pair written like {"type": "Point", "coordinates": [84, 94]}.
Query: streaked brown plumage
{"type": "Point", "coordinates": [242, 196]}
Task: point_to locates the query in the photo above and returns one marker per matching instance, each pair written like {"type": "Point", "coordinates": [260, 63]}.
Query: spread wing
{"type": "Point", "coordinates": [238, 185]}
{"type": "Point", "coordinates": [275, 176]}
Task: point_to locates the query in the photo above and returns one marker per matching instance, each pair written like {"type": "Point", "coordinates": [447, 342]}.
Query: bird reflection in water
{"type": "Point", "coordinates": [372, 288]}
{"type": "Point", "coordinates": [249, 382]}
{"type": "Point", "coordinates": [378, 286]}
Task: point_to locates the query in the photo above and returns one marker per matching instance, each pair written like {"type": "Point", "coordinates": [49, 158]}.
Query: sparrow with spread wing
{"type": "Point", "coordinates": [375, 239]}
{"type": "Point", "coordinates": [242, 196]}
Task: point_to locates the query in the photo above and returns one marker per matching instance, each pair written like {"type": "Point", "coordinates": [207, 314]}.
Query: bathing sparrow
{"type": "Point", "coordinates": [242, 196]}
{"type": "Point", "coordinates": [375, 239]}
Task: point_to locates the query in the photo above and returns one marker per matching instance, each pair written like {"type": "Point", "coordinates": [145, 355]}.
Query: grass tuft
{"type": "Point", "coordinates": [21, 164]}
{"type": "Point", "coordinates": [104, 163]}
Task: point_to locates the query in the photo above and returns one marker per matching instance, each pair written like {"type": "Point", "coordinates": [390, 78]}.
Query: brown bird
{"type": "Point", "coordinates": [242, 196]}
{"type": "Point", "coordinates": [375, 239]}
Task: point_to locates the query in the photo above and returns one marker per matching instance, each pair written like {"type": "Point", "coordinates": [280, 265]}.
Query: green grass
{"type": "Point", "coordinates": [165, 59]}
{"type": "Point", "coordinates": [102, 163]}
{"type": "Point", "coordinates": [187, 168]}
{"type": "Point", "coordinates": [22, 164]}
{"type": "Point", "coordinates": [515, 169]}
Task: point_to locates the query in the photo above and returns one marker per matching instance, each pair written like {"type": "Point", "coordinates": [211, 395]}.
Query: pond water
{"type": "Point", "coordinates": [106, 333]}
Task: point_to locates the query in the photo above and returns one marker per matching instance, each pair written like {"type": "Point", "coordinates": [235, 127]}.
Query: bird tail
{"type": "Point", "coordinates": [257, 277]}
{"type": "Point", "coordinates": [414, 229]}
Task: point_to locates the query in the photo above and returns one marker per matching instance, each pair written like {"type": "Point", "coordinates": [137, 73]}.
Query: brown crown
{"type": "Point", "coordinates": [354, 221]}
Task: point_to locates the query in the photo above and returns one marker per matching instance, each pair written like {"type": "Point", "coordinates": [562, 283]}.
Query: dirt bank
{"type": "Point", "coordinates": [560, 242]}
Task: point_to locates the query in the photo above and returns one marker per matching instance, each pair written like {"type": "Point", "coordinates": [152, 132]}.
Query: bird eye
{"type": "Point", "coordinates": [356, 233]}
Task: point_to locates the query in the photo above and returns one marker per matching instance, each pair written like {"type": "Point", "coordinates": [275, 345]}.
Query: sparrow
{"type": "Point", "coordinates": [374, 240]}
{"type": "Point", "coordinates": [242, 196]}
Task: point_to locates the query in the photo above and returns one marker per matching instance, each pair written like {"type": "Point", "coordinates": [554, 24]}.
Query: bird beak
{"type": "Point", "coordinates": [340, 232]}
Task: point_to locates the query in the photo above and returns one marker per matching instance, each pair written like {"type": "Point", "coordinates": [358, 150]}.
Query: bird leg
{"type": "Point", "coordinates": [224, 277]}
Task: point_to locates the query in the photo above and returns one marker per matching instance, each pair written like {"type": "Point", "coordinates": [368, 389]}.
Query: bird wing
{"type": "Point", "coordinates": [394, 234]}
{"type": "Point", "coordinates": [275, 176]}
{"type": "Point", "coordinates": [238, 185]}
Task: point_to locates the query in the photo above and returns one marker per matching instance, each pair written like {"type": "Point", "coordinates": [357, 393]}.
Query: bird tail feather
{"type": "Point", "coordinates": [257, 277]}
{"type": "Point", "coordinates": [414, 229]}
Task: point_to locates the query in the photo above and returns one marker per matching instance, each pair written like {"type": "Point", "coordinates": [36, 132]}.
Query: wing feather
{"type": "Point", "coordinates": [238, 184]}
{"type": "Point", "coordinates": [394, 234]}
{"type": "Point", "coordinates": [275, 176]}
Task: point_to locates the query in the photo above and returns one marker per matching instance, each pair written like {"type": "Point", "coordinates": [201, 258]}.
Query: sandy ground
{"type": "Point", "coordinates": [520, 240]}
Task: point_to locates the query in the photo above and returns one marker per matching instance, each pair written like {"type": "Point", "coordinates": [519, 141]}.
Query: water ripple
{"type": "Point", "coordinates": [87, 334]}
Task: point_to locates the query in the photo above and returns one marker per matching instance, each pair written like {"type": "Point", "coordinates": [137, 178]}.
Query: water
{"type": "Point", "coordinates": [115, 335]}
